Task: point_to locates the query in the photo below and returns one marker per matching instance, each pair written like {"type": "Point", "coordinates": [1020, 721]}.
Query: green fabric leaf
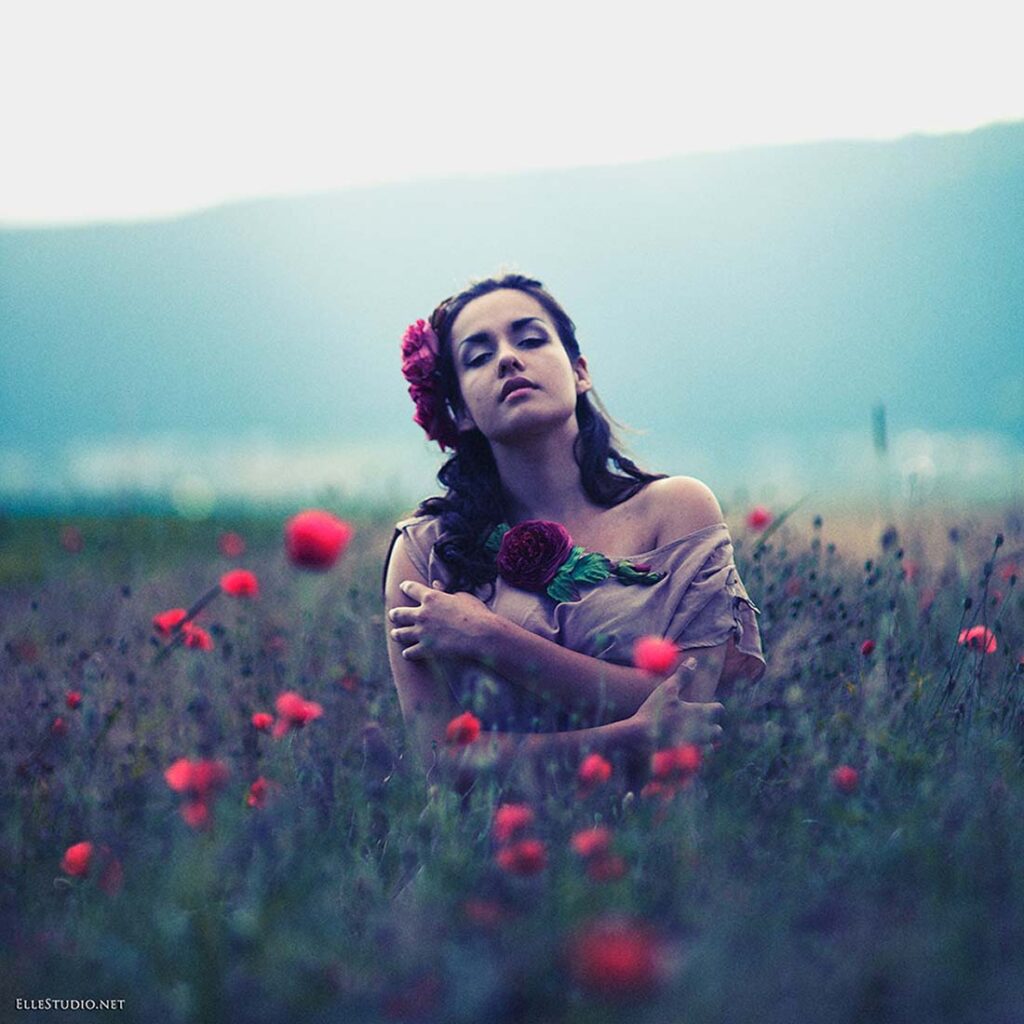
{"type": "Point", "coordinates": [493, 542]}
{"type": "Point", "coordinates": [592, 568]}
{"type": "Point", "coordinates": [561, 587]}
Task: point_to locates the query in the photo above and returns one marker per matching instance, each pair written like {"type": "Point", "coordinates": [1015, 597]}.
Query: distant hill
{"type": "Point", "coordinates": [720, 298]}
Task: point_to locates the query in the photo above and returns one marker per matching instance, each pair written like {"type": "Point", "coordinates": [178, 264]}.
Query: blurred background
{"type": "Point", "coordinates": [789, 235]}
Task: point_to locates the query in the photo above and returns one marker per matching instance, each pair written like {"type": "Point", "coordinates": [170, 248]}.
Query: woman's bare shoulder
{"type": "Point", "coordinates": [681, 505]}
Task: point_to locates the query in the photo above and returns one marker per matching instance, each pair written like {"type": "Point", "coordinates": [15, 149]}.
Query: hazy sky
{"type": "Point", "coordinates": [138, 109]}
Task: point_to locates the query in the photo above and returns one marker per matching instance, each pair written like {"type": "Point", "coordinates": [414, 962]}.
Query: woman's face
{"type": "Point", "coordinates": [514, 374]}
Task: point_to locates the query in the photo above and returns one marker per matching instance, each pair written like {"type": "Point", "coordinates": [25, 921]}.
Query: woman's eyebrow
{"type": "Point", "coordinates": [483, 336]}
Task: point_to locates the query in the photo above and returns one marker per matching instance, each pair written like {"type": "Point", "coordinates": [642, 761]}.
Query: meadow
{"type": "Point", "coordinates": [346, 887]}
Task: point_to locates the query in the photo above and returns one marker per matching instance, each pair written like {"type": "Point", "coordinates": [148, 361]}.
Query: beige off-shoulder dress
{"type": "Point", "coordinates": [701, 602]}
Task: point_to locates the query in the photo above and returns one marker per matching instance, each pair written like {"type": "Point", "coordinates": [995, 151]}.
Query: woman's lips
{"type": "Point", "coordinates": [516, 384]}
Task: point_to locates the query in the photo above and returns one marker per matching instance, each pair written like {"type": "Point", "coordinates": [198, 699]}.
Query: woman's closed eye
{"type": "Point", "coordinates": [481, 357]}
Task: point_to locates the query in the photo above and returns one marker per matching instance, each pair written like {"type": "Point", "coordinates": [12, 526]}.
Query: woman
{"type": "Point", "coordinates": [519, 595]}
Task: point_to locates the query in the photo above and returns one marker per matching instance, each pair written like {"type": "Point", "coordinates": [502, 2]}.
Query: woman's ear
{"type": "Point", "coordinates": [583, 382]}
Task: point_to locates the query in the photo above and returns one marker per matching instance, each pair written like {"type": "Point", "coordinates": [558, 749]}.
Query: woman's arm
{"type": "Point", "coordinates": [428, 706]}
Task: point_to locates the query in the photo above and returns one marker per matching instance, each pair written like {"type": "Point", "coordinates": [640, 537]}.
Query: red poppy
{"type": "Point", "coordinates": [348, 682]}
{"type": "Point", "coordinates": [677, 762]}
{"type": "Point", "coordinates": [594, 770]}
{"type": "Point", "coordinates": [592, 842]}
{"type": "Point", "coordinates": [196, 813]}
{"type": "Point", "coordinates": [525, 857]}
{"type": "Point", "coordinates": [59, 727]}
{"type": "Point", "coordinates": [259, 792]}
{"type": "Point", "coordinates": [262, 721]}
{"type": "Point", "coordinates": [76, 859]}
{"type": "Point", "coordinates": [758, 518]}
{"type": "Point", "coordinates": [314, 539]}
{"type": "Point", "coordinates": [845, 778]}
{"type": "Point", "coordinates": [73, 699]}
{"type": "Point", "coordinates": [616, 959]}
{"type": "Point", "coordinates": [510, 819]}
{"type": "Point", "coordinates": [485, 913]}
{"type": "Point", "coordinates": [609, 867]}
{"type": "Point", "coordinates": [196, 778]}
{"type": "Point", "coordinates": [794, 585]}
{"type": "Point", "coordinates": [240, 583]}
{"type": "Point", "coordinates": [655, 654]}
{"type": "Point", "coordinates": [1009, 570]}
{"type": "Point", "coordinates": [71, 539]}
{"type": "Point", "coordinates": [197, 637]}
{"type": "Point", "coordinates": [231, 544]}
{"type": "Point", "coordinates": [462, 729]}
{"type": "Point", "coordinates": [978, 638]}
{"type": "Point", "coordinates": [294, 712]}
{"type": "Point", "coordinates": [909, 570]}
{"type": "Point", "coordinates": [867, 648]}
{"type": "Point", "coordinates": [166, 622]}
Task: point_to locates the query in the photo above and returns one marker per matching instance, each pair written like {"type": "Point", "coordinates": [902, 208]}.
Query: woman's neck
{"type": "Point", "coordinates": [541, 478]}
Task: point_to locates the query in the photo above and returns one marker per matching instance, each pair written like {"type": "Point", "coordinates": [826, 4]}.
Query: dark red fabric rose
{"type": "Point", "coordinates": [532, 553]}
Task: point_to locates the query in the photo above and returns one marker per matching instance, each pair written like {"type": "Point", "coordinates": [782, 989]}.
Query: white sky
{"type": "Point", "coordinates": [138, 109]}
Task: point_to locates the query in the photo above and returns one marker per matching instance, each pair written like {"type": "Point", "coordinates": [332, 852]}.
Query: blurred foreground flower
{"type": "Point", "coordinates": [592, 842]}
{"type": "Point", "coordinates": [523, 857]}
{"type": "Point", "coordinates": [259, 793]}
{"type": "Point", "coordinates": [73, 699]}
{"type": "Point", "coordinates": [462, 729]}
{"type": "Point", "coordinates": [76, 859]}
{"type": "Point", "coordinates": [845, 778]}
{"type": "Point", "coordinates": [262, 720]}
{"type": "Point", "coordinates": [759, 518]}
{"type": "Point", "coordinates": [655, 654]}
{"type": "Point", "coordinates": [199, 782]}
{"type": "Point", "coordinates": [240, 583]}
{"type": "Point", "coordinates": [509, 820]}
{"type": "Point", "coordinates": [197, 637]}
{"type": "Point", "coordinates": [617, 959]}
{"type": "Point", "coordinates": [314, 539]}
{"type": "Point", "coordinates": [294, 712]}
{"type": "Point", "coordinates": [978, 638]}
{"type": "Point", "coordinates": [594, 771]}
{"type": "Point", "coordinates": [231, 544]}
{"type": "Point", "coordinates": [59, 727]}
{"type": "Point", "coordinates": [166, 622]}
{"type": "Point", "coordinates": [867, 648]}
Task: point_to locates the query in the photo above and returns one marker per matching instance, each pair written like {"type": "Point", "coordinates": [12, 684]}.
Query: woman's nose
{"type": "Point", "coordinates": [509, 361]}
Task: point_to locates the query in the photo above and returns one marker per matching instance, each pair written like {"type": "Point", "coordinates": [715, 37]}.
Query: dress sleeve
{"type": "Point", "coordinates": [421, 533]}
{"type": "Point", "coordinates": [710, 606]}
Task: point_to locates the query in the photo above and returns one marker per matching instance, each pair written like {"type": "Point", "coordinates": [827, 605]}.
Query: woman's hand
{"type": "Point", "coordinates": [668, 720]}
{"type": "Point", "coordinates": [439, 623]}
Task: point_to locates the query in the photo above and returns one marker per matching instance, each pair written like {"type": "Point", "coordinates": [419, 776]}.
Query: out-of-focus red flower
{"type": "Point", "coordinates": [262, 720]}
{"type": "Point", "coordinates": [510, 820]}
{"type": "Point", "coordinates": [240, 583]}
{"type": "Point", "coordinates": [616, 959]}
{"type": "Point", "coordinates": [73, 699]}
{"type": "Point", "coordinates": [231, 544]}
{"type": "Point", "coordinates": [196, 813]}
{"type": "Point", "coordinates": [867, 648]}
{"type": "Point", "coordinates": [59, 727]}
{"type": "Point", "coordinates": [524, 857]}
{"type": "Point", "coordinates": [462, 729]}
{"type": "Point", "coordinates": [594, 771]}
{"type": "Point", "coordinates": [485, 913]}
{"type": "Point", "coordinates": [845, 778]}
{"type": "Point", "coordinates": [76, 859]}
{"type": "Point", "coordinates": [1009, 570]}
{"type": "Point", "coordinates": [592, 842]}
{"type": "Point", "coordinates": [197, 637]}
{"type": "Point", "coordinates": [978, 638]}
{"type": "Point", "coordinates": [196, 778]}
{"type": "Point", "coordinates": [314, 539]}
{"type": "Point", "coordinates": [608, 867]}
{"type": "Point", "coordinates": [655, 654]}
{"type": "Point", "coordinates": [71, 540]}
{"type": "Point", "coordinates": [676, 762]}
{"type": "Point", "coordinates": [910, 570]}
{"type": "Point", "coordinates": [758, 518]}
{"type": "Point", "coordinates": [112, 874]}
{"type": "Point", "coordinates": [259, 793]}
{"type": "Point", "coordinates": [294, 712]}
{"type": "Point", "coordinates": [349, 682]}
{"type": "Point", "coordinates": [794, 585]}
{"type": "Point", "coordinates": [166, 622]}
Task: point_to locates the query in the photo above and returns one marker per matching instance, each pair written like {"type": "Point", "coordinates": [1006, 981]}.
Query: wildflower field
{"type": "Point", "coordinates": [207, 814]}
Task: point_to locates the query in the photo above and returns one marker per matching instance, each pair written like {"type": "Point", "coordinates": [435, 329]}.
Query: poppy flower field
{"type": "Point", "coordinates": [208, 812]}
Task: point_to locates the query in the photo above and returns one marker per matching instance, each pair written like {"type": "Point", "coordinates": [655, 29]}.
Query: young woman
{"type": "Point", "coordinates": [520, 594]}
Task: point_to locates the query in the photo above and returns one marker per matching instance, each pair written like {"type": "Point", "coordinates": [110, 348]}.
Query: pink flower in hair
{"type": "Point", "coordinates": [420, 351]}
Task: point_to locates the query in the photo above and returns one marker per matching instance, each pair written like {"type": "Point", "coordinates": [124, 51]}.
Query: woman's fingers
{"type": "Point", "coordinates": [402, 616]}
